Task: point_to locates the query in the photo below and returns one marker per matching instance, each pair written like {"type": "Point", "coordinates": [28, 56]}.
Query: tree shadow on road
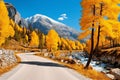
{"type": "Point", "coordinates": [50, 64]}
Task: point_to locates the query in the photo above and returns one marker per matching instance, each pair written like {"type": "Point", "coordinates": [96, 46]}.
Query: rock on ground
{"type": "Point", "coordinates": [116, 73]}
{"type": "Point", "coordinates": [7, 58]}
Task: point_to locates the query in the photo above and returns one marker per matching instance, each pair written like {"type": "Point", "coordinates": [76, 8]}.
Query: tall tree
{"type": "Point", "coordinates": [104, 10]}
{"type": "Point", "coordinates": [41, 40]}
{"type": "Point", "coordinates": [91, 15]}
{"type": "Point", "coordinates": [34, 42]}
{"type": "Point", "coordinates": [6, 29]}
{"type": "Point", "coordinates": [52, 40]}
{"type": "Point", "coordinates": [92, 46]}
{"type": "Point", "coordinates": [96, 17]}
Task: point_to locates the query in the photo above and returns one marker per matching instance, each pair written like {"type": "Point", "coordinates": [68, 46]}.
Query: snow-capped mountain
{"type": "Point", "coordinates": [45, 23]}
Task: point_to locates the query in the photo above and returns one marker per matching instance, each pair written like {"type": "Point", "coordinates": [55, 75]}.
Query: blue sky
{"type": "Point", "coordinates": [65, 11]}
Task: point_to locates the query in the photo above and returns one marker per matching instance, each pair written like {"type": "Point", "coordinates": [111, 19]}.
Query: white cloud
{"type": "Point", "coordinates": [62, 17]}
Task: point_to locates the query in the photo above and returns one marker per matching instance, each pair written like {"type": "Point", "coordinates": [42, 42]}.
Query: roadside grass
{"type": "Point", "coordinates": [90, 73]}
{"type": "Point", "coordinates": [8, 68]}
{"type": "Point", "coordinates": [93, 74]}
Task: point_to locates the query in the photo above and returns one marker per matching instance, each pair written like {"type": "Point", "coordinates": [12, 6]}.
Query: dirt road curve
{"type": "Point", "coordinates": [38, 68]}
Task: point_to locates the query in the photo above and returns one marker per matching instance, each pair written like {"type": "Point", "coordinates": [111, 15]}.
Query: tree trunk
{"type": "Point", "coordinates": [92, 47]}
{"type": "Point", "coordinates": [92, 42]}
{"type": "Point", "coordinates": [113, 43]}
{"type": "Point", "coordinates": [98, 40]}
{"type": "Point", "coordinates": [99, 27]}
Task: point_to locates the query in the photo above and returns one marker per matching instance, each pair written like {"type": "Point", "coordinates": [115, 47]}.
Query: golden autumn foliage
{"type": "Point", "coordinates": [6, 29]}
{"type": "Point", "coordinates": [59, 43]}
{"type": "Point", "coordinates": [41, 41]}
{"type": "Point", "coordinates": [71, 44]}
{"type": "Point", "coordinates": [12, 23]}
{"type": "Point", "coordinates": [84, 34]}
{"type": "Point", "coordinates": [11, 31]}
{"type": "Point", "coordinates": [34, 42]}
{"type": "Point", "coordinates": [24, 30]}
{"type": "Point", "coordinates": [65, 44]}
{"type": "Point", "coordinates": [52, 40]}
{"type": "Point", "coordinates": [18, 28]}
{"type": "Point", "coordinates": [105, 15]}
{"type": "Point", "coordinates": [26, 37]}
{"type": "Point", "coordinates": [111, 10]}
{"type": "Point", "coordinates": [79, 46]}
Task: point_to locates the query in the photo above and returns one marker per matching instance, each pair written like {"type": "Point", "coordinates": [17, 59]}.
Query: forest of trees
{"type": "Point", "coordinates": [100, 25]}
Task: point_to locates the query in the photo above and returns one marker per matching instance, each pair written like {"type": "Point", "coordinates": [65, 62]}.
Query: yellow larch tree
{"type": "Point", "coordinates": [26, 38]}
{"type": "Point", "coordinates": [52, 40]}
{"type": "Point", "coordinates": [34, 42]}
{"type": "Point", "coordinates": [63, 44]}
{"type": "Point", "coordinates": [18, 28]}
{"type": "Point", "coordinates": [6, 29]}
{"type": "Point", "coordinates": [95, 16]}
{"type": "Point", "coordinates": [11, 31]}
{"type": "Point", "coordinates": [59, 44]}
{"type": "Point", "coordinates": [69, 45]}
{"type": "Point", "coordinates": [79, 46]}
{"type": "Point", "coordinates": [41, 40]}
{"type": "Point", "coordinates": [72, 44]}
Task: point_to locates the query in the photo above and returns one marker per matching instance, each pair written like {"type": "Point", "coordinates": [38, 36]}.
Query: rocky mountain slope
{"type": "Point", "coordinates": [15, 15]}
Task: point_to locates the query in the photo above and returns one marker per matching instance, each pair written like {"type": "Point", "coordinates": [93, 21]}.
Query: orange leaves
{"type": "Point", "coordinates": [3, 13]}
{"type": "Point", "coordinates": [11, 31]}
{"type": "Point", "coordinates": [64, 44]}
{"type": "Point", "coordinates": [6, 29]}
{"type": "Point", "coordinates": [26, 37]}
{"type": "Point", "coordinates": [79, 46]}
{"type": "Point", "coordinates": [12, 23]}
{"type": "Point", "coordinates": [111, 9]}
{"type": "Point", "coordinates": [103, 13]}
{"type": "Point", "coordinates": [71, 44]}
{"type": "Point", "coordinates": [52, 40]}
{"type": "Point", "coordinates": [84, 34]}
{"type": "Point", "coordinates": [34, 39]}
{"type": "Point", "coordinates": [18, 28]}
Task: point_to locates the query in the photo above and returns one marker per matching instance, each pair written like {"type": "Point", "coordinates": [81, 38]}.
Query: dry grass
{"type": "Point", "coordinates": [90, 73]}
{"type": "Point", "coordinates": [8, 68]}
{"type": "Point", "coordinates": [93, 74]}
{"type": "Point", "coordinates": [111, 51]}
{"type": "Point", "coordinates": [15, 45]}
